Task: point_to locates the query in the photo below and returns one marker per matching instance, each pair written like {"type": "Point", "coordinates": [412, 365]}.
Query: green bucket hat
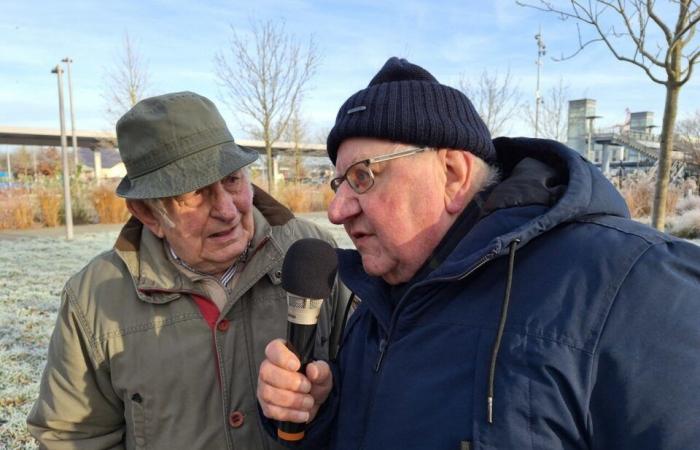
{"type": "Point", "coordinates": [176, 143]}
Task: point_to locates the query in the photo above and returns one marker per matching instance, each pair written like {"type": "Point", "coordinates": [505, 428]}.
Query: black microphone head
{"type": "Point", "coordinates": [309, 268]}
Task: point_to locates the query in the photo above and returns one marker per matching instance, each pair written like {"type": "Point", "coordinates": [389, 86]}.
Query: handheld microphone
{"type": "Point", "coordinates": [308, 274]}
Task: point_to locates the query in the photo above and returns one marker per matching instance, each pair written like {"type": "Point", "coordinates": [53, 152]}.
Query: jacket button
{"type": "Point", "coordinates": [223, 325]}
{"type": "Point", "coordinates": [236, 419]}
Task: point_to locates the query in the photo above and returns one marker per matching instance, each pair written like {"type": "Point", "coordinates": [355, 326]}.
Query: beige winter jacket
{"type": "Point", "coordinates": [132, 363]}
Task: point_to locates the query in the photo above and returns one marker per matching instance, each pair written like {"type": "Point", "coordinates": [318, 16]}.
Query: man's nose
{"type": "Point", "coordinates": [222, 204]}
{"type": "Point", "coordinates": [344, 205]}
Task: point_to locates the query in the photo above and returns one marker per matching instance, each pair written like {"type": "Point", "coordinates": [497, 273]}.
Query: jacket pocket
{"type": "Point", "coordinates": [138, 421]}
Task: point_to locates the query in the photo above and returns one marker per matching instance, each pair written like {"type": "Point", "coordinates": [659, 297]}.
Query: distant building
{"type": "Point", "coordinates": [630, 143]}
{"type": "Point", "coordinates": [108, 163]}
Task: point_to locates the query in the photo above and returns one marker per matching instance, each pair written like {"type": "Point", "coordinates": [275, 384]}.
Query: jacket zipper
{"type": "Point", "coordinates": [382, 347]}
{"type": "Point", "coordinates": [384, 343]}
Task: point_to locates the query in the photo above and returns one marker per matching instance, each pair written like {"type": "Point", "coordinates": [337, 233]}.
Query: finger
{"type": "Point", "coordinates": [281, 378]}
{"type": "Point", "coordinates": [321, 378]}
{"type": "Point", "coordinates": [284, 414]}
{"type": "Point", "coordinates": [282, 398]}
{"type": "Point", "coordinates": [319, 372]}
{"type": "Point", "coordinates": [278, 353]}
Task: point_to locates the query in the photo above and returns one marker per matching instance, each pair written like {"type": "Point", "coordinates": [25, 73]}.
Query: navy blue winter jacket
{"type": "Point", "coordinates": [601, 345]}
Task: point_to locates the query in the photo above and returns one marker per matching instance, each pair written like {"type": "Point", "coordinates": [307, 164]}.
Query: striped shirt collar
{"type": "Point", "coordinates": [226, 277]}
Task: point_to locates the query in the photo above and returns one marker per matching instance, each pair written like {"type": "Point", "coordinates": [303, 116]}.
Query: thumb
{"type": "Point", "coordinates": [318, 372]}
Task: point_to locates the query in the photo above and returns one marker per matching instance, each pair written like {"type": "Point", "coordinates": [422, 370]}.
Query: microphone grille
{"type": "Point", "coordinates": [309, 268]}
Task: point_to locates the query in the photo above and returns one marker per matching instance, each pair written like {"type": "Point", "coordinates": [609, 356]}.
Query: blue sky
{"type": "Point", "coordinates": [178, 40]}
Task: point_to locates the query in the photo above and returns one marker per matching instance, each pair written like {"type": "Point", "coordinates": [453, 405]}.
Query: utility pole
{"type": "Point", "coordinates": [68, 62]}
{"type": "Point", "coordinates": [64, 157]}
{"type": "Point", "coordinates": [541, 51]}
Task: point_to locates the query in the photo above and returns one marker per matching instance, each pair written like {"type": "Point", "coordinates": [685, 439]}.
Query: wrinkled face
{"type": "Point", "coordinates": [213, 225]}
{"type": "Point", "coordinates": [397, 223]}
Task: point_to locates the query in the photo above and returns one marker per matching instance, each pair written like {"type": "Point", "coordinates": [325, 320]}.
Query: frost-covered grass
{"type": "Point", "coordinates": [32, 274]}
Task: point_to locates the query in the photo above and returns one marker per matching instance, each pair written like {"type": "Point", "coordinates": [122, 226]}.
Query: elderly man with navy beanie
{"type": "Point", "coordinates": [506, 300]}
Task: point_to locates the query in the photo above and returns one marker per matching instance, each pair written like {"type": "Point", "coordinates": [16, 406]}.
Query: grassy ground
{"type": "Point", "coordinates": [32, 273]}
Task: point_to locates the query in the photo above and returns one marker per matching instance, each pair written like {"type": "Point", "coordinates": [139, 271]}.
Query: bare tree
{"type": "Point", "coordinates": [320, 135]}
{"type": "Point", "coordinates": [553, 113]}
{"type": "Point", "coordinates": [628, 28]}
{"type": "Point", "coordinates": [264, 77]}
{"type": "Point", "coordinates": [296, 133]}
{"type": "Point", "coordinates": [495, 98]}
{"type": "Point", "coordinates": [22, 161]}
{"type": "Point", "coordinates": [126, 82]}
{"type": "Point", "coordinates": [688, 133]}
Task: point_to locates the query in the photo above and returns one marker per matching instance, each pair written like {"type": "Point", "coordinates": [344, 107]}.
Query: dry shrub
{"type": "Point", "coordinates": [109, 207]}
{"type": "Point", "coordinates": [295, 196]}
{"type": "Point", "coordinates": [689, 203]}
{"type": "Point", "coordinates": [300, 197]}
{"type": "Point", "coordinates": [82, 208]}
{"type": "Point", "coordinates": [22, 215]}
{"type": "Point", "coordinates": [638, 192]}
{"type": "Point", "coordinates": [687, 225]}
{"type": "Point", "coordinates": [5, 221]}
{"type": "Point", "coordinates": [326, 196]}
{"type": "Point", "coordinates": [50, 205]}
{"type": "Point", "coordinates": [16, 210]}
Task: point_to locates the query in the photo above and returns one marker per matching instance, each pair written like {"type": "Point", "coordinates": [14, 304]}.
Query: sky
{"type": "Point", "coordinates": [178, 40]}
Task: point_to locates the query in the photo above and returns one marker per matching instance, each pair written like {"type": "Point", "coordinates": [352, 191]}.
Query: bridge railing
{"type": "Point", "coordinates": [632, 135]}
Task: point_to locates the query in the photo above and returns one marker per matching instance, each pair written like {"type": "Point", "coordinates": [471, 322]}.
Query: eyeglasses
{"type": "Point", "coordinates": [359, 175]}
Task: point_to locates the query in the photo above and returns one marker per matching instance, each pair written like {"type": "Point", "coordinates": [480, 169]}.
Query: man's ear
{"type": "Point", "coordinates": [143, 212]}
{"type": "Point", "coordinates": [458, 180]}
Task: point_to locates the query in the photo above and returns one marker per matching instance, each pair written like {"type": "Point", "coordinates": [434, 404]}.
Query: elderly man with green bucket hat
{"type": "Point", "coordinates": [158, 340]}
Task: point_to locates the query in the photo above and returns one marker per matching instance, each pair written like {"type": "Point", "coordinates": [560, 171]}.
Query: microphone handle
{"type": "Point", "coordinates": [300, 340]}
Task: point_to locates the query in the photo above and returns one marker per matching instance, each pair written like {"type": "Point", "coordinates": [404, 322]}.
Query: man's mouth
{"type": "Point", "coordinates": [223, 233]}
{"type": "Point", "coordinates": [358, 235]}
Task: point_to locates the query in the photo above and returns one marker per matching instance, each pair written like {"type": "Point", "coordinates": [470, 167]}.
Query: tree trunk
{"type": "Point", "coordinates": [270, 168]}
{"type": "Point", "coordinates": [673, 89]}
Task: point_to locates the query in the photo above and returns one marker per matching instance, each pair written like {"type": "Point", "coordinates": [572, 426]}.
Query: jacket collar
{"type": "Point", "coordinates": [156, 278]}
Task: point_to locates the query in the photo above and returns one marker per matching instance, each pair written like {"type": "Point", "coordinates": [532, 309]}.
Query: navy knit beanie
{"type": "Point", "coordinates": [405, 103]}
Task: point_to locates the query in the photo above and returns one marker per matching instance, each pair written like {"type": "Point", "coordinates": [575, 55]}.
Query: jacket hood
{"type": "Point", "coordinates": [583, 190]}
{"type": "Point", "coordinates": [544, 184]}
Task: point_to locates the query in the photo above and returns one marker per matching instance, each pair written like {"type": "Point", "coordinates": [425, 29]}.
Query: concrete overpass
{"type": "Point", "coordinates": [100, 139]}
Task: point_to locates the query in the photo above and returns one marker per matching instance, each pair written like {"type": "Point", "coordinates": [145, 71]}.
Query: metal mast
{"type": "Point", "coordinates": [64, 157]}
{"type": "Point", "coordinates": [541, 51]}
{"type": "Point", "coordinates": [68, 61]}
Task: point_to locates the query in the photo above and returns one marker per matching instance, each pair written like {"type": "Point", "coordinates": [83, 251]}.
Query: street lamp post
{"type": "Point", "coordinates": [68, 62]}
{"type": "Point", "coordinates": [541, 51]}
{"type": "Point", "coordinates": [64, 157]}
{"type": "Point", "coordinates": [589, 151]}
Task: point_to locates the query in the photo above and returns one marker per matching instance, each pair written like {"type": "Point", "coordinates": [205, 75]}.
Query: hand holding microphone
{"type": "Point", "coordinates": [291, 388]}
{"type": "Point", "coordinates": [286, 394]}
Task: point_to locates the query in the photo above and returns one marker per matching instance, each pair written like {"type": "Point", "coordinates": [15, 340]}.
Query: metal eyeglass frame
{"type": "Point", "coordinates": [337, 181]}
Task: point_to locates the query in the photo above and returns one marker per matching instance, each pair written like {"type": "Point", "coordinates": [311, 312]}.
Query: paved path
{"type": "Point", "coordinates": [59, 231]}
{"type": "Point", "coordinates": [319, 218]}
